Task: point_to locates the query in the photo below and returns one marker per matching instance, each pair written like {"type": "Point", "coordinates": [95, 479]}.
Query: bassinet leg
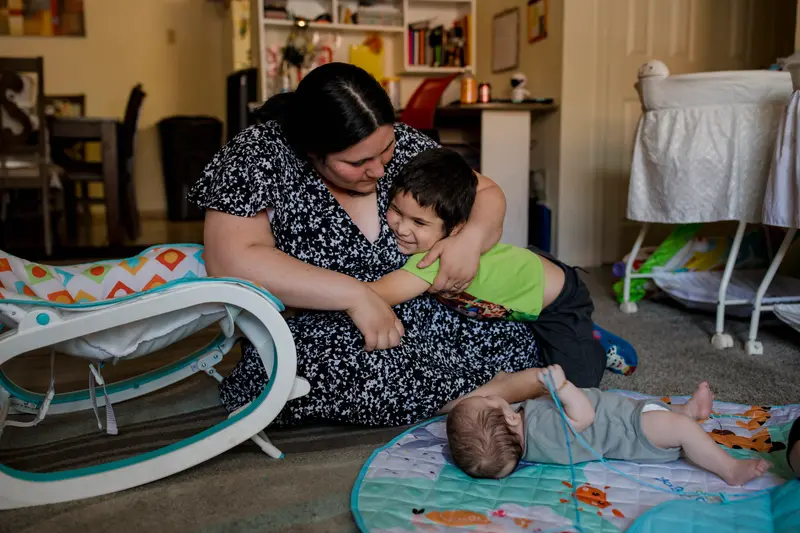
{"type": "Point", "coordinates": [722, 340]}
{"type": "Point", "coordinates": [627, 306]}
{"type": "Point", "coordinates": [753, 346]}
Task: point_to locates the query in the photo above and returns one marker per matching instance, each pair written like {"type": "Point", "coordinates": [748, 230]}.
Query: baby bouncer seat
{"type": "Point", "coordinates": [113, 311]}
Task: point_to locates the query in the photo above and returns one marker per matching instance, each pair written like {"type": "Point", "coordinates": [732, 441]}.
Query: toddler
{"type": "Point", "coordinates": [431, 199]}
{"type": "Point", "coordinates": [488, 437]}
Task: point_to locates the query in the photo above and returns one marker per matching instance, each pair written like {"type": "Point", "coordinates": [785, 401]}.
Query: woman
{"type": "Point", "coordinates": [298, 205]}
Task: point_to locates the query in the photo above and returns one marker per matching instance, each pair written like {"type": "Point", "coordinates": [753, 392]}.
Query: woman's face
{"type": "Point", "coordinates": [358, 168]}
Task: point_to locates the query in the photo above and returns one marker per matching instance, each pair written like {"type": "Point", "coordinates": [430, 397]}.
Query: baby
{"type": "Point", "coordinates": [431, 199]}
{"type": "Point", "coordinates": [488, 437]}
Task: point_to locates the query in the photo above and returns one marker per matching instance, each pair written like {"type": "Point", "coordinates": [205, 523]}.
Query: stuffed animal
{"type": "Point", "coordinates": [518, 90]}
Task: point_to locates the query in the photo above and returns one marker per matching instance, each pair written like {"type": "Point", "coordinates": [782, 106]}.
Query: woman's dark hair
{"type": "Point", "coordinates": [441, 178]}
{"type": "Point", "coordinates": [335, 106]}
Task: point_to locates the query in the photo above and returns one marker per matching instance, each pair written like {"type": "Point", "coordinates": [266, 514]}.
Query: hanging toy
{"type": "Point", "coordinates": [323, 49]}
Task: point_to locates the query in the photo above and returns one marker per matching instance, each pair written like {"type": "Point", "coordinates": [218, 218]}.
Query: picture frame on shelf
{"type": "Point", "coordinates": [537, 20]}
{"type": "Point", "coordinates": [505, 40]}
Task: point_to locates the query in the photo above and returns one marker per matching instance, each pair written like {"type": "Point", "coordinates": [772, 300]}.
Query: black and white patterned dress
{"type": "Point", "coordinates": [443, 353]}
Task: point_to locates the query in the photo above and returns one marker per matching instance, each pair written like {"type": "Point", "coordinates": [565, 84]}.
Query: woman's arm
{"type": "Point", "coordinates": [244, 248]}
{"type": "Point", "coordinates": [485, 224]}
{"type": "Point", "coordinates": [460, 254]}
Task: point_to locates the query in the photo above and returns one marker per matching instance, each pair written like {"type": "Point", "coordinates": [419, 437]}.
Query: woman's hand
{"type": "Point", "coordinates": [376, 321]}
{"type": "Point", "coordinates": [459, 257]}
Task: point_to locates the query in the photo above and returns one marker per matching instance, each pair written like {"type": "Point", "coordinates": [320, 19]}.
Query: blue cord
{"type": "Point", "coordinates": [567, 424]}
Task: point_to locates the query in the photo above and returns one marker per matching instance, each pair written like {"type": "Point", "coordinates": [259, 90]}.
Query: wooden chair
{"type": "Point", "coordinates": [122, 206]}
{"type": "Point", "coordinates": [24, 155]}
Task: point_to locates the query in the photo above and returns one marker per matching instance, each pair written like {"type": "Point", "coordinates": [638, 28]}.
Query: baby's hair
{"type": "Point", "coordinates": [442, 179]}
{"type": "Point", "coordinates": [481, 443]}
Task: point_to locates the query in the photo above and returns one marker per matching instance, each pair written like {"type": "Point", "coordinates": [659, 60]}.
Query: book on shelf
{"type": "Point", "coordinates": [439, 46]}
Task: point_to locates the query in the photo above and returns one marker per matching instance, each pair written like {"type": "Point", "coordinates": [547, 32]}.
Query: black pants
{"type": "Point", "coordinates": [565, 331]}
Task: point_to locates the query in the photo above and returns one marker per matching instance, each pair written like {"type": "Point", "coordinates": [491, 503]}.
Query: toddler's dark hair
{"type": "Point", "coordinates": [441, 178]}
{"type": "Point", "coordinates": [481, 443]}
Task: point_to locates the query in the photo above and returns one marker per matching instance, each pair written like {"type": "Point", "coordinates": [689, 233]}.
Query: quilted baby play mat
{"type": "Point", "coordinates": [411, 485]}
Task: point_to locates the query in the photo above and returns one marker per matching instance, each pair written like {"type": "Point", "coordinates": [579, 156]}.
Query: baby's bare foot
{"type": "Point", "coordinates": [700, 404]}
{"type": "Point", "coordinates": [744, 470]}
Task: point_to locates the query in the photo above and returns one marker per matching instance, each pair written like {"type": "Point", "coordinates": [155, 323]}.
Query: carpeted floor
{"type": "Point", "coordinates": [245, 491]}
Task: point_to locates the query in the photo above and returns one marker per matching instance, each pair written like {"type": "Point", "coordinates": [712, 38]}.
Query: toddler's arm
{"type": "Point", "coordinates": [399, 286]}
{"type": "Point", "coordinates": [576, 404]}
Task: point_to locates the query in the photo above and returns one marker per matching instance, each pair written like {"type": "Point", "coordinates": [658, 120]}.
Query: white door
{"type": "Point", "coordinates": [689, 36]}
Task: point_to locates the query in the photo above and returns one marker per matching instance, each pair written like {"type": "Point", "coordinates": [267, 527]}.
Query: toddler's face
{"type": "Point", "coordinates": [417, 228]}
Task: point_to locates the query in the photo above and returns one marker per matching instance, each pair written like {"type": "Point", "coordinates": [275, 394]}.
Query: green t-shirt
{"type": "Point", "coordinates": [509, 284]}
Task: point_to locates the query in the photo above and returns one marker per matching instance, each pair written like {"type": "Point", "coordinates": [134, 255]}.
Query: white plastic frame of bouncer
{"type": "Point", "coordinates": [260, 321]}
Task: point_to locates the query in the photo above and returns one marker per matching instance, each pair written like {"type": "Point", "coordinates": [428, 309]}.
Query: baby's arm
{"type": "Point", "coordinates": [577, 406]}
{"type": "Point", "coordinates": [399, 286]}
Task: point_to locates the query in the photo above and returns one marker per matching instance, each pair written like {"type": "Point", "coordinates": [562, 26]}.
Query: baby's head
{"type": "Point", "coordinates": [485, 436]}
{"type": "Point", "coordinates": [431, 199]}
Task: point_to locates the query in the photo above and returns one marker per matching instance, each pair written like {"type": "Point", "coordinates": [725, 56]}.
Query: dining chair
{"type": "Point", "coordinates": [121, 206]}
{"type": "Point", "coordinates": [24, 155]}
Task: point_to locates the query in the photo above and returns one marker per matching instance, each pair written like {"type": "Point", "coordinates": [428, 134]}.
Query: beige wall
{"type": "Point", "coordinates": [542, 63]}
{"type": "Point", "coordinates": [129, 42]}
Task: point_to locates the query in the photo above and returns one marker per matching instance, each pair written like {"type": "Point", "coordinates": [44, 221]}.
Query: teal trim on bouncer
{"type": "Point", "coordinates": [114, 465]}
{"type": "Point", "coordinates": [119, 386]}
{"type": "Point", "coordinates": [357, 486]}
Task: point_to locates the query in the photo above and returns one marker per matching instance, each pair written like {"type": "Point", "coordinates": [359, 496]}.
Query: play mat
{"type": "Point", "coordinates": [411, 485]}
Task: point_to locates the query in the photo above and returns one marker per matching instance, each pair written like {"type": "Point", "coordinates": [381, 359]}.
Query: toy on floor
{"type": "Point", "coordinates": [683, 251]}
{"type": "Point", "coordinates": [117, 310]}
{"type": "Point", "coordinates": [621, 357]}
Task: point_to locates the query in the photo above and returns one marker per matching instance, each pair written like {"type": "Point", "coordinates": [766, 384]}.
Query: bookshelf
{"type": "Point", "coordinates": [390, 18]}
{"type": "Point", "coordinates": [425, 18]}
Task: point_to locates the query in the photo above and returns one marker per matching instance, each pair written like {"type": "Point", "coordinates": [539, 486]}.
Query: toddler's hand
{"type": "Point", "coordinates": [555, 374]}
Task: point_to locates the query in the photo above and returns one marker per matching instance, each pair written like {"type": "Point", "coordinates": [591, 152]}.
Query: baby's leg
{"type": "Point", "coordinates": [670, 430]}
{"type": "Point", "coordinates": [699, 405]}
{"type": "Point", "coordinates": [512, 387]}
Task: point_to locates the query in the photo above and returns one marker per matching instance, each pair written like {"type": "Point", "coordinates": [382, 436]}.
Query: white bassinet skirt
{"type": "Point", "coordinates": [782, 197]}
{"type": "Point", "coordinates": [704, 144]}
{"type": "Point", "coordinates": [702, 164]}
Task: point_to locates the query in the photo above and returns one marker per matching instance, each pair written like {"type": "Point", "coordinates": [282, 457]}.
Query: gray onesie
{"type": "Point", "coordinates": [615, 434]}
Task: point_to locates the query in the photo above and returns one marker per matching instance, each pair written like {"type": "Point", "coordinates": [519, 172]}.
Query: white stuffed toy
{"type": "Point", "coordinates": [518, 90]}
{"type": "Point", "coordinates": [653, 69]}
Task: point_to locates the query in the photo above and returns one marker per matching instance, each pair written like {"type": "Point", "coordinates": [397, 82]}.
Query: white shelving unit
{"type": "Point", "coordinates": [438, 12]}
{"type": "Point", "coordinates": [336, 26]}
{"type": "Point", "coordinates": [445, 12]}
